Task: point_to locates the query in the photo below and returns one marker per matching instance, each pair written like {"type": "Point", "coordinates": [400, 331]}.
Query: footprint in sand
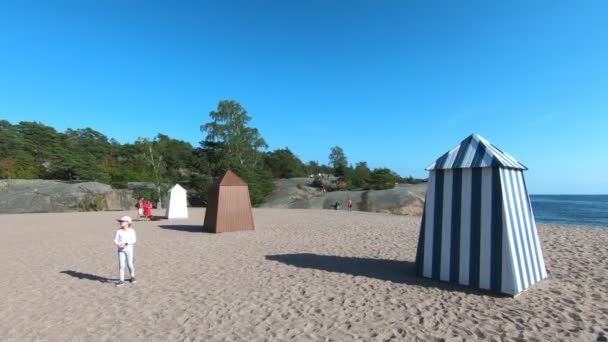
{"type": "Point", "coordinates": [575, 317]}
{"type": "Point", "coordinates": [568, 301]}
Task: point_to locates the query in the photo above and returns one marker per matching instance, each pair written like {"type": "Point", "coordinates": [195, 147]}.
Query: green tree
{"type": "Point", "coordinates": [178, 157]}
{"type": "Point", "coordinates": [410, 180]}
{"type": "Point", "coordinates": [338, 160]}
{"type": "Point", "coordinates": [312, 168]}
{"type": "Point", "coordinates": [284, 164]}
{"type": "Point", "coordinates": [15, 161]}
{"type": "Point", "coordinates": [382, 178]}
{"type": "Point", "coordinates": [260, 181]}
{"type": "Point", "coordinates": [241, 144]}
{"type": "Point", "coordinates": [41, 143]}
{"type": "Point", "coordinates": [359, 177]}
{"type": "Point", "coordinates": [84, 156]}
{"type": "Point", "coordinates": [315, 168]}
{"type": "Point", "coordinates": [155, 161]}
{"type": "Point", "coordinates": [231, 144]}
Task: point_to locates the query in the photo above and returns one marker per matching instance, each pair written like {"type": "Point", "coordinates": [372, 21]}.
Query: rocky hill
{"type": "Point", "coordinates": [35, 195]}
{"type": "Point", "coordinates": [297, 193]}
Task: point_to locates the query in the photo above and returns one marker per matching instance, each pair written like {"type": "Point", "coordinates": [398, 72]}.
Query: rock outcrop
{"type": "Point", "coordinates": [34, 195]}
{"type": "Point", "coordinates": [296, 193]}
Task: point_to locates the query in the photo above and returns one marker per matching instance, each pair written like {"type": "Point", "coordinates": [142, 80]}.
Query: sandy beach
{"type": "Point", "coordinates": [303, 275]}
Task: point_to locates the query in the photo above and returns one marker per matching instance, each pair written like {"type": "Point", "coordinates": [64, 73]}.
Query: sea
{"type": "Point", "coordinates": [583, 210]}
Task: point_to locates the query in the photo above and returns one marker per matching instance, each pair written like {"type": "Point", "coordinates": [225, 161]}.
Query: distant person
{"type": "Point", "coordinates": [140, 207]}
{"type": "Point", "coordinates": [148, 209]}
{"type": "Point", "coordinates": [350, 204]}
{"type": "Point", "coordinates": [125, 239]}
{"type": "Point", "coordinates": [337, 205]}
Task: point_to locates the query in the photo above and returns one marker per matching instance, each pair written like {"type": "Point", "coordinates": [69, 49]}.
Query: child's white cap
{"type": "Point", "coordinates": [124, 219]}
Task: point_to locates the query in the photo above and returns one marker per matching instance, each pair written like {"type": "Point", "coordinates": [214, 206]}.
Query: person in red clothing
{"type": "Point", "coordinates": [350, 204]}
{"type": "Point", "coordinates": [148, 209]}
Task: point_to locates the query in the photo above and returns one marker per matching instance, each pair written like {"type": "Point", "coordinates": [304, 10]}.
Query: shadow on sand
{"type": "Point", "coordinates": [401, 272]}
{"type": "Point", "coordinates": [185, 228]}
{"type": "Point", "coordinates": [88, 276]}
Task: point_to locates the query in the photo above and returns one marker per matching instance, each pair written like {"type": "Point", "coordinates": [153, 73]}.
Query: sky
{"type": "Point", "coordinates": [394, 83]}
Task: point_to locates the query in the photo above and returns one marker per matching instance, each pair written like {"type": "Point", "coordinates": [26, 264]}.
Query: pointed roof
{"type": "Point", "coordinates": [230, 179]}
{"type": "Point", "coordinates": [475, 151]}
{"type": "Point", "coordinates": [177, 187]}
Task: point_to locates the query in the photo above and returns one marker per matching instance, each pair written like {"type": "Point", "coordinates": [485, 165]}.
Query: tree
{"type": "Point", "coordinates": [152, 158]}
{"type": "Point", "coordinates": [359, 177]}
{"type": "Point", "coordinates": [241, 144]}
{"type": "Point", "coordinates": [43, 144]}
{"type": "Point", "coordinates": [41, 141]}
{"type": "Point", "coordinates": [284, 164]}
{"type": "Point", "coordinates": [15, 161]}
{"type": "Point", "coordinates": [178, 156]}
{"type": "Point", "coordinates": [231, 144]}
{"type": "Point", "coordinates": [84, 156]}
{"type": "Point", "coordinates": [260, 181]}
{"type": "Point", "coordinates": [411, 180]}
{"type": "Point", "coordinates": [382, 178]}
{"type": "Point", "coordinates": [312, 168]}
{"type": "Point", "coordinates": [338, 160]}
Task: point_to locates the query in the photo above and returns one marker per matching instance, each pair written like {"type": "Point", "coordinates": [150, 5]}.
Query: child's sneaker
{"type": "Point", "coordinates": [133, 280]}
{"type": "Point", "coordinates": [120, 284]}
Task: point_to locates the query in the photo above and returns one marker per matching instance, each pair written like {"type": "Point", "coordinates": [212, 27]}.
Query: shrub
{"type": "Point", "coordinates": [91, 204]}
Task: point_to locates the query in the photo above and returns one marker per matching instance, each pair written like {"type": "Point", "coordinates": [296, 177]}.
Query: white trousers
{"type": "Point", "coordinates": [125, 256]}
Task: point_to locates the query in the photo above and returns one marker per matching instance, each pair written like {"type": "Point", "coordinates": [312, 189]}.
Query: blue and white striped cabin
{"type": "Point", "coordinates": [478, 228]}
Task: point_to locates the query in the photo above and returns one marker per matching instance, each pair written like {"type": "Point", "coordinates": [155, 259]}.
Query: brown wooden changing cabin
{"type": "Point", "coordinates": [229, 206]}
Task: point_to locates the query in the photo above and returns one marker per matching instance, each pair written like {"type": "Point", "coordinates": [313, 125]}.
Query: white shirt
{"type": "Point", "coordinates": [125, 236]}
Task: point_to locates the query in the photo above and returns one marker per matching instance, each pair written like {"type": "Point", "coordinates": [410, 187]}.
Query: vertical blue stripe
{"type": "Point", "coordinates": [437, 223]}
{"type": "Point", "coordinates": [465, 227]}
{"type": "Point", "coordinates": [429, 207]}
{"type": "Point", "coordinates": [455, 243]}
{"type": "Point", "coordinates": [446, 225]}
{"type": "Point", "coordinates": [475, 227]}
{"type": "Point", "coordinates": [485, 246]}
{"type": "Point", "coordinates": [497, 231]}
{"type": "Point", "coordinates": [420, 250]}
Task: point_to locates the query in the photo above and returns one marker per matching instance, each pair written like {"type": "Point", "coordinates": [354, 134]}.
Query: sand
{"type": "Point", "coordinates": [303, 275]}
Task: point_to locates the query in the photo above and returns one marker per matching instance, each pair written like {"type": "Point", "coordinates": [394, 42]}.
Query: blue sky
{"type": "Point", "coordinates": [394, 83]}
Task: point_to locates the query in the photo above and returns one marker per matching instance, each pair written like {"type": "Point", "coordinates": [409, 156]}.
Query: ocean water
{"type": "Point", "coordinates": [585, 210]}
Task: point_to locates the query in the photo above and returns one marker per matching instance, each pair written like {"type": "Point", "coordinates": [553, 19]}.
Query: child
{"type": "Point", "coordinates": [148, 209]}
{"type": "Point", "coordinates": [125, 239]}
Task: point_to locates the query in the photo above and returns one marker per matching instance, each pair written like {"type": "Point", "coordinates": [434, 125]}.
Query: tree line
{"type": "Point", "coordinates": [32, 150]}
